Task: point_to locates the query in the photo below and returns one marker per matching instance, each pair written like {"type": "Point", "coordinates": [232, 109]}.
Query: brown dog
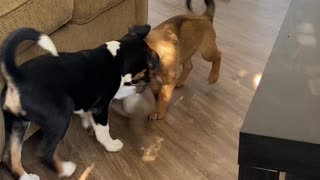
{"type": "Point", "coordinates": [176, 40]}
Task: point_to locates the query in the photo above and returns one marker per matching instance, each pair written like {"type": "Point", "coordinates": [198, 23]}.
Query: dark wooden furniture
{"type": "Point", "coordinates": [282, 128]}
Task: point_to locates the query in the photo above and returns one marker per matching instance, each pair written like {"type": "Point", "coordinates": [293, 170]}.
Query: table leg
{"type": "Point", "coordinates": [250, 173]}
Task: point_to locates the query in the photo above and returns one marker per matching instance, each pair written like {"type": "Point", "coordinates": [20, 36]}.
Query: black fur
{"type": "Point", "coordinates": [140, 31]}
{"type": "Point", "coordinates": [11, 44]}
{"type": "Point", "coordinates": [52, 87]}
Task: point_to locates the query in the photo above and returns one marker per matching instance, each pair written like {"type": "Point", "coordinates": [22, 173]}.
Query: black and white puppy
{"type": "Point", "coordinates": [47, 90]}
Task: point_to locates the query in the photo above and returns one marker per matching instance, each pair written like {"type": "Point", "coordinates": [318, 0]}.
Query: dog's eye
{"type": "Point", "coordinates": [146, 79]}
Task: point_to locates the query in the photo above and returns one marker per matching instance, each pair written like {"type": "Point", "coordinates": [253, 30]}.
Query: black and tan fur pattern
{"type": "Point", "coordinates": [48, 89]}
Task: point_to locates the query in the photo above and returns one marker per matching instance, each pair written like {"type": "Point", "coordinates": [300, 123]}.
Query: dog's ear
{"type": "Point", "coordinates": [153, 60]}
{"type": "Point", "coordinates": [140, 30]}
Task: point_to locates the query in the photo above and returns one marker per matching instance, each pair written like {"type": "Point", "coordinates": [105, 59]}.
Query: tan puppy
{"type": "Point", "coordinates": [176, 40]}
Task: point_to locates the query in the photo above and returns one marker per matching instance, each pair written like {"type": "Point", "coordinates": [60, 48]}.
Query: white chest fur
{"type": "Point", "coordinates": [113, 47]}
{"type": "Point", "coordinates": [124, 91]}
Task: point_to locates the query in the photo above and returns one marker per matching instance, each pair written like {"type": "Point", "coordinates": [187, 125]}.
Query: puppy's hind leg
{"type": "Point", "coordinates": [50, 156]}
{"type": "Point", "coordinates": [84, 116]}
{"type": "Point", "coordinates": [54, 130]}
{"type": "Point", "coordinates": [187, 67]}
{"type": "Point", "coordinates": [15, 129]}
{"type": "Point", "coordinates": [48, 151]}
{"type": "Point", "coordinates": [211, 53]}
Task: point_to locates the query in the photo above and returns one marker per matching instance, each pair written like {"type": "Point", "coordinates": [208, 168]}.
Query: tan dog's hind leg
{"type": "Point", "coordinates": [215, 69]}
{"type": "Point", "coordinates": [211, 53]}
{"type": "Point", "coordinates": [187, 67]}
{"type": "Point", "coordinates": [15, 145]}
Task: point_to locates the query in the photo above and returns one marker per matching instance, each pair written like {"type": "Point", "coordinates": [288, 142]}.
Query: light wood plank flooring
{"type": "Point", "coordinates": [200, 135]}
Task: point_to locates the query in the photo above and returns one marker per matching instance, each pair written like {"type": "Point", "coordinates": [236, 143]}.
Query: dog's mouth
{"type": "Point", "coordinates": [144, 80]}
{"type": "Point", "coordinates": [131, 88]}
{"type": "Point", "coordinates": [139, 84]}
{"type": "Point", "coordinates": [132, 83]}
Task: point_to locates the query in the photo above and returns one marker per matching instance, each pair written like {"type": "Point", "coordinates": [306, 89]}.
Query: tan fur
{"type": "Point", "coordinates": [86, 173]}
{"type": "Point", "coordinates": [155, 82]}
{"type": "Point", "coordinates": [176, 40]}
{"type": "Point", "coordinates": [15, 151]}
{"type": "Point", "coordinates": [12, 100]}
{"type": "Point", "coordinates": [139, 75]}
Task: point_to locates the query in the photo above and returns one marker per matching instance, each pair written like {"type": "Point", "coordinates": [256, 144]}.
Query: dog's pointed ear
{"type": "Point", "coordinates": [153, 61]}
{"type": "Point", "coordinates": [140, 30]}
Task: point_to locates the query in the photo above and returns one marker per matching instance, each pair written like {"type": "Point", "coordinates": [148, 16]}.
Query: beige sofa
{"type": "Point", "coordinates": [72, 25]}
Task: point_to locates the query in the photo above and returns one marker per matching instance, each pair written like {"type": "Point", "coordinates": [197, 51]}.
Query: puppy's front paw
{"type": "Point", "coordinates": [114, 145]}
{"type": "Point", "coordinates": [29, 177]}
{"type": "Point", "coordinates": [157, 116]}
{"type": "Point", "coordinates": [68, 169]}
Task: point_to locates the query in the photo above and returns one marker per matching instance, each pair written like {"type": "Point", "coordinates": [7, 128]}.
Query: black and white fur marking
{"type": "Point", "coordinates": [47, 90]}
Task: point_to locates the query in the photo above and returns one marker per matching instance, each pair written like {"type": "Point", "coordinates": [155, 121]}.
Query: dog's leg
{"type": "Point", "coordinates": [15, 130]}
{"type": "Point", "coordinates": [48, 148]}
{"type": "Point", "coordinates": [164, 98]}
{"type": "Point", "coordinates": [170, 64]}
{"type": "Point", "coordinates": [99, 121]}
{"type": "Point", "coordinates": [155, 83]}
{"type": "Point", "coordinates": [215, 68]}
{"type": "Point", "coordinates": [85, 120]}
{"type": "Point", "coordinates": [84, 116]}
{"type": "Point", "coordinates": [54, 128]}
{"type": "Point", "coordinates": [211, 53]}
{"type": "Point", "coordinates": [51, 157]}
{"type": "Point", "coordinates": [187, 67]}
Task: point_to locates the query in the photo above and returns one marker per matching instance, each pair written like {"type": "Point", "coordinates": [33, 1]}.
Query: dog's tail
{"type": "Point", "coordinates": [7, 54]}
{"type": "Point", "coordinates": [210, 11]}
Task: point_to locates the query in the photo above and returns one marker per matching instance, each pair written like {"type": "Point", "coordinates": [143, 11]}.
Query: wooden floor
{"type": "Point", "coordinates": [200, 135]}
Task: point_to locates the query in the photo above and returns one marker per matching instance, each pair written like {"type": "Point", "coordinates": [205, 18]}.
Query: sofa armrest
{"type": "Point", "coordinates": [141, 7]}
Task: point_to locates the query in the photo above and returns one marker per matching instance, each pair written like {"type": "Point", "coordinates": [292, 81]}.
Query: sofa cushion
{"type": "Point", "coordinates": [85, 10]}
{"type": "Point", "coordinates": [43, 15]}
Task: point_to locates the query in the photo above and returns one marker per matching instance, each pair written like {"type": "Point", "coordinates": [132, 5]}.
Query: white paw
{"type": "Point", "coordinates": [26, 176]}
{"type": "Point", "coordinates": [114, 145]}
{"type": "Point", "coordinates": [68, 169]}
{"type": "Point", "coordinates": [85, 123]}
{"type": "Point", "coordinates": [85, 118]}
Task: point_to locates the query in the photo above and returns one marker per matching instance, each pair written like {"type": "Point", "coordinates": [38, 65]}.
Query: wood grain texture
{"type": "Point", "coordinates": [200, 135]}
